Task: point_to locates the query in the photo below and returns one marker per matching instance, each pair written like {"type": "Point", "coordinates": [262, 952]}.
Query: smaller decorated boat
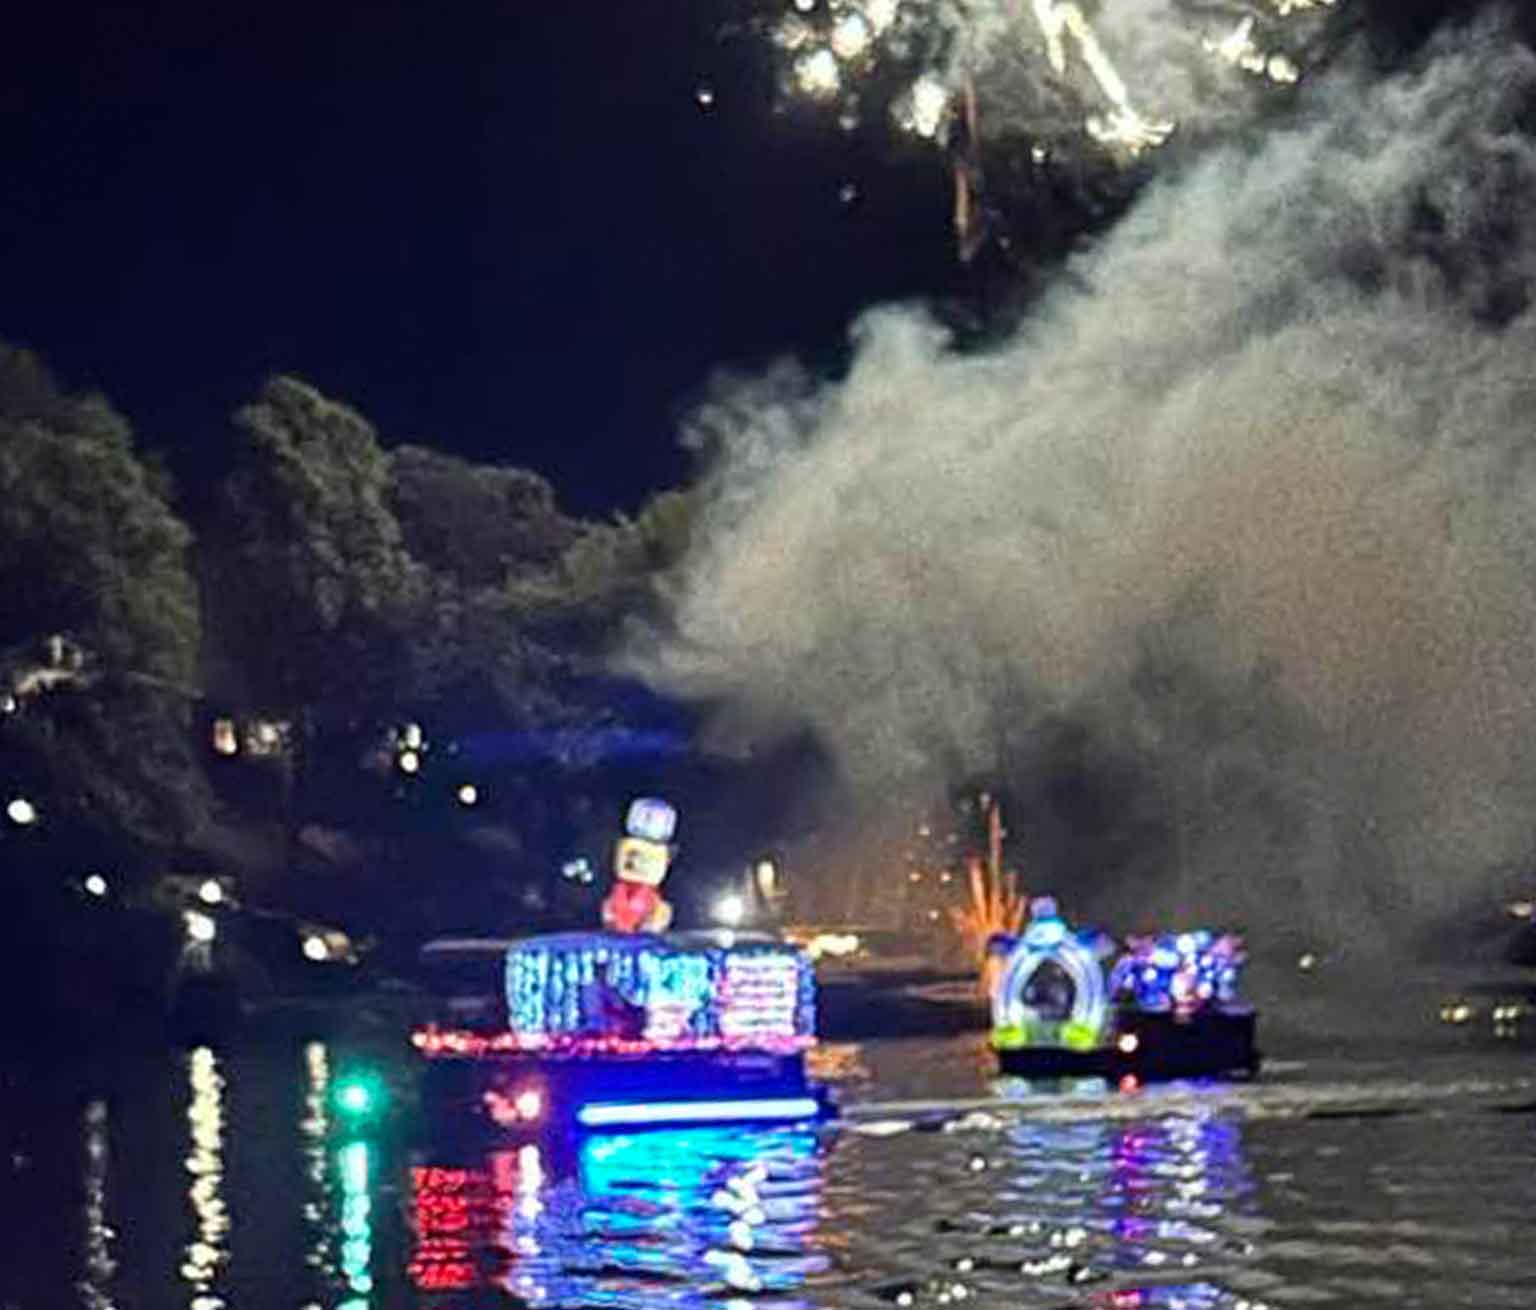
{"type": "Point", "coordinates": [1070, 1003]}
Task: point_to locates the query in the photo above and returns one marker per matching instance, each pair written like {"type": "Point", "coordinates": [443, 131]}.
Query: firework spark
{"type": "Point", "coordinates": [1077, 78]}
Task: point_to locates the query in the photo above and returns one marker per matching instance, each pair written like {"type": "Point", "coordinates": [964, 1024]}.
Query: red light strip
{"type": "Point", "coordinates": [447, 1043]}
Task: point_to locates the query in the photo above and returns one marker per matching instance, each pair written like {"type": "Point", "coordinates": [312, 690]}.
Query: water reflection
{"type": "Point", "coordinates": [99, 1266]}
{"type": "Point", "coordinates": [354, 1168]}
{"type": "Point", "coordinates": [1074, 1200]}
{"type": "Point", "coordinates": [1062, 1202]}
{"type": "Point", "coordinates": [314, 1135]}
{"type": "Point", "coordinates": [209, 1248]}
{"type": "Point", "coordinates": [685, 1215]}
{"type": "Point", "coordinates": [1144, 1206]}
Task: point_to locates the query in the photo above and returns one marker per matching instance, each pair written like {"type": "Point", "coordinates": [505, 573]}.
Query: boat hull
{"type": "Point", "coordinates": [531, 1094]}
{"type": "Point", "coordinates": [1152, 1047]}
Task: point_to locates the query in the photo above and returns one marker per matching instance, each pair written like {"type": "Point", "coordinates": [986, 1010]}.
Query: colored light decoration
{"type": "Point", "coordinates": [776, 1109]}
{"type": "Point", "coordinates": [464, 1043]}
{"type": "Point", "coordinates": [1182, 973]}
{"type": "Point", "coordinates": [1016, 1023]}
{"type": "Point", "coordinates": [359, 1095]}
{"type": "Point", "coordinates": [651, 819]}
{"type": "Point", "coordinates": [564, 992]}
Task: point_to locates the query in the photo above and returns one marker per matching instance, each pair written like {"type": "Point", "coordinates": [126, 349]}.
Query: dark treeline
{"type": "Point", "coordinates": [233, 678]}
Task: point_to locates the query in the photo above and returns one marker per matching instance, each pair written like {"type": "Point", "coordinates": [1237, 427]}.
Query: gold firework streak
{"type": "Point", "coordinates": [1123, 125]}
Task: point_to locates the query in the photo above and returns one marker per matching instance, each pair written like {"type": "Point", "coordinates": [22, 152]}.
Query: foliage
{"type": "Point", "coordinates": [312, 585]}
{"type": "Point", "coordinates": [475, 523]}
{"type": "Point", "coordinates": [345, 587]}
{"type": "Point", "coordinates": [607, 576]}
{"type": "Point", "coordinates": [101, 626]}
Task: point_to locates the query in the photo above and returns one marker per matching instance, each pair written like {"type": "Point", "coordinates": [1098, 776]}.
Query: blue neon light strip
{"type": "Point", "coordinates": [655, 1112]}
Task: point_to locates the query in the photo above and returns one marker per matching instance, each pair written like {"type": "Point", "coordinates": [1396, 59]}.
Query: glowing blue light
{"type": "Point", "coordinates": [651, 819]}
{"type": "Point", "coordinates": [602, 1115]}
{"type": "Point", "coordinates": [353, 1159]}
{"type": "Point", "coordinates": [556, 987]}
{"type": "Point", "coordinates": [1045, 933]}
{"type": "Point", "coordinates": [1090, 1001]}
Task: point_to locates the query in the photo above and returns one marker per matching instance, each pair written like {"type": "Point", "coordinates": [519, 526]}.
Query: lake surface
{"type": "Point", "coordinates": [204, 1179]}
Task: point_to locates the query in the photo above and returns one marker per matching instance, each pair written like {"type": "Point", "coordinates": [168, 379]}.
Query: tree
{"type": "Point", "coordinates": [313, 589]}
{"type": "Point", "coordinates": [101, 627]}
{"type": "Point", "coordinates": [475, 523]}
{"type": "Point", "coordinates": [607, 575]}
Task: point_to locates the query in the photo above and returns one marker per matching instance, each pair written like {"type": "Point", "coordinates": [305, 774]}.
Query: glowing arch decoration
{"type": "Point", "coordinates": [1017, 1024]}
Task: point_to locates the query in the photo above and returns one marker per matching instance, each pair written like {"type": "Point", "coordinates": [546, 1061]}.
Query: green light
{"type": "Point", "coordinates": [359, 1095]}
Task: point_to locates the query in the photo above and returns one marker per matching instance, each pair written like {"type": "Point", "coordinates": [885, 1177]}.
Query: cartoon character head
{"type": "Point", "coordinates": [640, 863]}
{"type": "Point", "coordinates": [643, 854]}
{"type": "Point", "coordinates": [637, 860]}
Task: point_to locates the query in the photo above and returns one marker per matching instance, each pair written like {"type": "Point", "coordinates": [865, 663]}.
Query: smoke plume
{"type": "Point", "coordinates": [1238, 531]}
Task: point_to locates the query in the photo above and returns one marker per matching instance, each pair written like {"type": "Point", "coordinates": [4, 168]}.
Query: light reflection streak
{"type": "Point", "coordinates": [205, 1162]}
{"type": "Point", "coordinates": [99, 1265]}
{"type": "Point", "coordinates": [354, 1167]}
{"type": "Point", "coordinates": [709, 1209]}
{"type": "Point", "coordinates": [314, 1128]}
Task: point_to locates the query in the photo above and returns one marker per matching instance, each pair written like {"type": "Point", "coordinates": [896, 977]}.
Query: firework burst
{"type": "Point", "coordinates": [1116, 77]}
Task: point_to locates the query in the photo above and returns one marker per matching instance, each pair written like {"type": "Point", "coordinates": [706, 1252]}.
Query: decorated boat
{"type": "Point", "coordinates": [633, 1025]}
{"type": "Point", "coordinates": [1069, 1002]}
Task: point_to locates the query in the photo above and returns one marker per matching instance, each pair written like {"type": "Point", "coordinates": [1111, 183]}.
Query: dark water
{"type": "Point", "coordinates": [207, 1180]}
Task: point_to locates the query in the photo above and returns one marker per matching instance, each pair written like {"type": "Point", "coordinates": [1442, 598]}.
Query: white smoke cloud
{"type": "Point", "coordinates": [1253, 495]}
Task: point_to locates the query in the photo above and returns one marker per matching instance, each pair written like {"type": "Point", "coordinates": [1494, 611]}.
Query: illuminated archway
{"type": "Point", "coordinates": [1016, 1023]}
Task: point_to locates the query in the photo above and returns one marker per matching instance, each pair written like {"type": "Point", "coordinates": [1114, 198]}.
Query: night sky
{"type": "Point", "coordinates": [504, 228]}
{"type": "Point", "coordinates": [500, 227]}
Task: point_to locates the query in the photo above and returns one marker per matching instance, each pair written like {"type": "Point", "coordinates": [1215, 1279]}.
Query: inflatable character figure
{"type": "Point", "coordinates": [640, 863]}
